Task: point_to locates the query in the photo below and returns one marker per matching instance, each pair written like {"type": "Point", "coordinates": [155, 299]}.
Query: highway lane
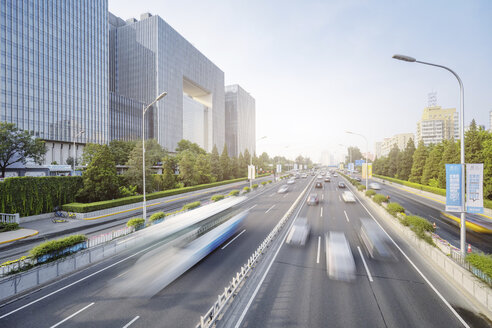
{"type": "Point", "coordinates": [298, 293]}
{"type": "Point", "coordinates": [431, 210]}
{"type": "Point", "coordinates": [178, 305]}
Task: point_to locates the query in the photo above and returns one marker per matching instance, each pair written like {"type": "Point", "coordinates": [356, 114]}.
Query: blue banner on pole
{"type": "Point", "coordinates": [453, 188]}
{"type": "Point", "coordinates": [359, 162]}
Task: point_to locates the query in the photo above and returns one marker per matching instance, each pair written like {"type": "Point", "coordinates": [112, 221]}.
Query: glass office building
{"type": "Point", "coordinates": [54, 71]}
{"type": "Point", "coordinates": [149, 57]}
{"type": "Point", "coordinates": [240, 121]}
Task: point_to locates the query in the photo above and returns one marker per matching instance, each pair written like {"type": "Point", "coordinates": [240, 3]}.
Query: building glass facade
{"type": "Point", "coordinates": [54, 68]}
{"type": "Point", "coordinates": [125, 118]}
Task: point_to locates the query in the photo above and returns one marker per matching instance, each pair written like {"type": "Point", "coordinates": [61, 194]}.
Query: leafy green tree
{"type": "Point", "coordinates": [169, 167]}
{"type": "Point", "coordinates": [202, 170]}
{"type": "Point", "coordinates": [406, 160]}
{"type": "Point", "coordinates": [191, 146]}
{"type": "Point", "coordinates": [153, 155]}
{"type": "Point", "coordinates": [473, 144]}
{"type": "Point", "coordinates": [431, 168]}
{"type": "Point", "coordinates": [235, 173]}
{"type": "Point", "coordinates": [69, 161]}
{"type": "Point", "coordinates": [18, 146]}
{"type": "Point", "coordinates": [487, 164]}
{"type": "Point", "coordinates": [100, 179]}
{"type": "Point", "coordinates": [215, 167]}
{"type": "Point", "coordinates": [242, 165]}
{"type": "Point", "coordinates": [354, 153]}
{"type": "Point", "coordinates": [393, 161]}
{"type": "Point", "coordinates": [186, 164]}
{"type": "Point", "coordinates": [121, 150]}
{"type": "Point", "coordinates": [225, 164]}
{"type": "Point", "coordinates": [450, 155]}
{"type": "Point", "coordinates": [263, 161]}
{"type": "Point", "coordinates": [419, 158]}
{"type": "Point", "coordinates": [90, 149]}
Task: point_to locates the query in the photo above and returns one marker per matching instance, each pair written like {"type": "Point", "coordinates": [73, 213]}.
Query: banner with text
{"type": "Point", "coordinates": [365, 170]}
{"type": "Point", "coordinates": [453, 188]}
{"type": "Point", "coordinates": [474, 188]}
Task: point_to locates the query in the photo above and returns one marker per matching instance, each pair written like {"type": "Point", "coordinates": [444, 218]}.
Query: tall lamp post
{"type": "Point", "coordinates": [462, 143]}
{"type": "Point", "coordinates": [367, 160]}
{"type": "Point", "coordinates": [74, 153]}
{"type": "Point", "coordinates": [251, 162]}
{"type": "Point", "coordinates": [162, 95]}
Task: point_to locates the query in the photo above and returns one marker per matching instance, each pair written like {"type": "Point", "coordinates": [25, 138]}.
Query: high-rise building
{"type": "Point", "coordinates": [148, 57]}
{"type": "Point", "coordinates": [240, 121]}
{"type": "Point", "coordinates": [438, 124]}
{"type": "Point", "coordinates": [54, 71]}
{"type": "Point", "coordinates": [384, 147]}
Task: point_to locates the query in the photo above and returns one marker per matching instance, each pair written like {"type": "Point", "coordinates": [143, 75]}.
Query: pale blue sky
{"type": "Point", "coordinates": [318, 68]}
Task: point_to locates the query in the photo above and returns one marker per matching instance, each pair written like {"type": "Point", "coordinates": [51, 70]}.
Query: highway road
{"type": "Point", "coordinates": [297, 291]}
{"type": "Point", "coordinates": [87, 298]}
{"type": "Point", "coordinates": [431, 210]}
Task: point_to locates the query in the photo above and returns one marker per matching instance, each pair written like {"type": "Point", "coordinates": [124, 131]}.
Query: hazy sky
{"type": "Point", "coordinates": [318, 68]}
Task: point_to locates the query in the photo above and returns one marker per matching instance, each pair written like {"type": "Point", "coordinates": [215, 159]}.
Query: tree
{"type": "Point", "coordinates": [242, 165]}
{"type": "Point", "coordinates": [18, 146]}
{"type": "Point", "coordinates": [450, 155]}
{"type": "Point", "coordinates": [153, 155]}
{"type": "Point", "coordinates": [430, 173]}
{"type": "Point", "coordinates": [90, 150]}
{"type": "Point", "coordinates": [487, 164]}
{"type": "Point", "coordinates": [353, 153]}
{"type": "Point", "coordinates": [186, 164]}
{"type": "Point", "coordinates": [121, 150]}
{"type": "Point", "coordinates": [235, 173]}
{"type": "Point", "coordinates": [100, 179]}
{"type": "Point", "coordinates": [393, 161]}
{"type": "Point", "coordinates": [69, 161]}
{"type": "Point", "coordinates": [202, 169]}
{"type": "Point", "coordinates": [263, 161]}
{"type": "Point", "coordinates": [169, 167]}
{"type": "Point", "coordinates": [473, 144]}
{"type": "Point", "coordinates": [225, 164]}
{"type": "Point", "coordinates": [215, 167]}
{"type": "Point", "coordinates": [191, 146]}
{"type": "Point", "coordinates": [406, 160]}
{"type": "Point", "coordinates": [419, 158]}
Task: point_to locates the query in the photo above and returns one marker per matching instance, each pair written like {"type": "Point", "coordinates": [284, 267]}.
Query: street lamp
{"type": "Point", "coordinates": [462, 143]}
{"type": "Point", "coordinates": [367, 153]}
{"type": "Point", "coordinates": [349, 150]}
{"type": "Point", "coordinates": [162, 95]}
{"type": "Point", "coordinates": [74, 153]}
{"type": "Point", "coordinates": [251, 163]}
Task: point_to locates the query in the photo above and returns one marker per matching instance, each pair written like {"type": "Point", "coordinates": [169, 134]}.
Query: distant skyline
{"type": "Point", "coordinates": [318, 68]}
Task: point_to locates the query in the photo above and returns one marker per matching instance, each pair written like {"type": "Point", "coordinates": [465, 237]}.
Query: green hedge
{"type": "Point", "coordinates": [157, 216]}
{"type": "Point", "coordinates": [361, 187]}
{"type": "Point", "coordinates": [56, 245]}
{"type": "Point", "coordinates": [234, 192]}
{"type": "Point", "coordinates": [8, 226]}
{"type": "Point", "coordinates": [264, 183]}
{"type": "Point", "coordinates": [135, 222]}
{"type": "Point", "coordinates": [395, 208]}
{"type": "Point", "coordinates": [370, 193]}
{"type": "Point", "coordinates": [37, 195]}
{"type": "Point", "coordinates": [246, 189]}
{"type": "Point", "coordinates": [191, 206]}
{"type": "Point", "coordinates": [482, 262]}
{"type": "Point", "coordinates": [90, 207]}
{"type": "Point", "coordinates": [378, 198]}
{"type": "Point", "coordinates": [254, 186]}
{"type": "Point", "coordinates": [216, 198]}
{"type": "Point", "coordinates": [420, 226]}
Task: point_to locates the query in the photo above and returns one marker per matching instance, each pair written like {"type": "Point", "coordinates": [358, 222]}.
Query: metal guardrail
{"type": "Point", "coordinates": [213, 313]}
{"type": "Point", "coordinates": [459, 259]}
{"type": "Point", "coordinates": [9, 218]}
{"type": "Point", "coordinates": [105, 237]}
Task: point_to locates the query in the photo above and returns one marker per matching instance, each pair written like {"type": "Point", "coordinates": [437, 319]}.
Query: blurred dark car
{"type": "Point", "coordinates": [327, 179]}
{"type": "Point", "coordinates": [318, 185]}
{"type": "Point", "coordinates": [313, 199]}
{"type": "Point", "coordinates": [341, 185]}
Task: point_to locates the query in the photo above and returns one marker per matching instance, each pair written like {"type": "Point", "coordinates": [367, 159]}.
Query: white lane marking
{"type": "Point", "coordinates": [340, 198]}
{"type": "Point", "coordinates": [321, 214]}
{"type": "Point", "coordinates": [71, 316]}
{"type": "Point", "coordinates": [270, 209]}
{"type": "Point", "coordinates": [346, 216]}
{"type": "Point", "coordinates": [234, 239]}
{"type": "Point", "coordinates": [365, 265]}
{"type": "Point", "coordinates": [319, 246]}
{"type": "Point", "coordinates": [252, 207]}
{"type": "Point", "coordinates": [133, 320]}
{"type": "Point", "coordinates": [463, 322]}
{"type": "Point", "coordinates": [322, 196]}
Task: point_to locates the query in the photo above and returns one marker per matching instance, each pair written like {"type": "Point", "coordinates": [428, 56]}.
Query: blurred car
{"type": "Point", "coordinates": [283, 189]}
{"type": "Point", "coordinates": [318, 185]}
{"type": "Point", "coordinates": [339, 258]}
{"type": "Point", "coordinates": [348, 197]}
{"type": "Point", "coordinates": [341, 185]}
{"type": "Point", "coordinates": [291, 181]}
{"type": "Point", "coordinates": [377, 243]}
{"type": "Point", "coordinates": [313, 199]}
{"type": "Point", "coordinates": [327, 179]}
{"type": "Point", "coordinates": [304, 176]}
{"type": "Point", "coordinates": [357, 179]}
{"type": "Point", "coordinates": [299, 232]}
{"type": "Point", "coordinates": [320, 177]}
{"type": "Point", "coordinates": [297, 176]}
{"type": "Point", "coordinates": [335, 175]}
{"type": "Point", "coordinates": [375, 186]}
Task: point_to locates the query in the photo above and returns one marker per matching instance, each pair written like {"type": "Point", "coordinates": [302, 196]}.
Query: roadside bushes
{"type": "Point", "coordinates": [8, 226]}
{"type": "Point", "coordinates": [246, 189]}
{"type": "Point", "coordinates": [361, 187]}
{"type": "Point", "coordinates": [418, 225]}
{"type": "Point", "coordinates": [216, 198]}
{"type": "Point", "coordinates": [55, 246]}
{"type": "Point", "coordinates": [263, 183]}
{"type": "Point", "coordinates": [254, 186]}
{"type": "Point", "coordinates": [482, 262]}
{"type": "Point", "coordinates": [191, 206]}
{"type": "Point", "coordinates": [370, 193]}
{"type": "Point", "coordinates": [379, 199]}
{"type": "Point", "coordinates": [157, 216]}
{"type": "Point", "coordinates": [234, 192]}
{"type": "Point", "coordinates": [135, 222]}
{"type": "Point", "coordinates": [394, 209]}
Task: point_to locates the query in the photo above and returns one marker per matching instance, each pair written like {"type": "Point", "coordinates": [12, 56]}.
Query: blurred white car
{"type": "Point", "coordinates": [348, 197]}
{"type": "Point", "coordinates": [283, 189]}
{"type": "Point", "coordinates": [339, 258]}
{"type": "Point", "coordinates": [291, 181]}
{"type": "Point", "coordinates": [377, 243]}
{"type": "Point", "coordinates": [299, 232]}
{"type": "Point", "coordinates": [375, 186]}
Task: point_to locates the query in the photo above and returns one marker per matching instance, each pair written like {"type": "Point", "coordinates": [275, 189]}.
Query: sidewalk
{"type": "Point", "coordinates": [10, 236]}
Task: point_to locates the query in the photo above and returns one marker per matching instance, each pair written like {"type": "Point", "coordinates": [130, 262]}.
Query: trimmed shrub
{"type": "Point", "coordinates": [58, 245]}
{"type": "Point", "coordinates": [135, 222]}
{"type": "Point", "coordinates": [191, 206]}
{"type": "Point", "coordinates": [234, 192]}
{"type": "Point", "coordinates": [246, 189]}
{"type": "Point", "coordinates": [419, 225]}
{"type": "Point", "coordinates": [378, 198]}
{"type": "Point", "coordinates": [216, 198]}
{"type": "Point", "coordinates": [175, 212]}
{"type": "Point", "coordinates": [254, 186]}
{"type": "Point", "coordinates": [370, 193]}
{"type": "Point", "coordinates": [395, 208]}
{"type": "Point", "coordinates": [263, 183]}
{"type": "Point", "coordinates": [8, 226]}
{"type": "Point", "coordinates": [361, 187]}
{"type": "Point", "coordinates": [434, 190]}
{"type": "Point", "coordinates": [482, 262]}
{"type": "Point", "coordinates": [269, 181]}
{"type": "Point", "coordinates": [157, 216]}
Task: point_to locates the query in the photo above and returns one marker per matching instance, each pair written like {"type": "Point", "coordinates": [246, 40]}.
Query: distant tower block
{"type": "Point", "coordinates": [432, 99]}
